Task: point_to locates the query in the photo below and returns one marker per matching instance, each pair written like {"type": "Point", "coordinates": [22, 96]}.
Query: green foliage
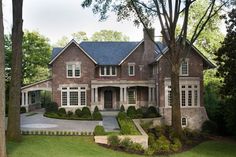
{"type": "Point", "coordinates": [70, 113]}
{"type": "Point", "coordinates": [126, 125]}
{"type": "Point", "coordinates": [109, 35]}
{"type": "Point", "coordinates": [126, 143]}
{"type": "Point", "coordinates": [22, 110]}
{"type": "Point", "coordinates": [122, 108]}
{"type": "Point", "coordinates": [97, 115]}
{"type": "Point", "coordinates": [86, 112]}
{"type": "Point", "coordinates": [62, 111]}
{"type": "Point", "coordinates": [209, 127]}
{"type": "Point", "coordinates": [78, 112]}
{"type": "Point", "coordinates": [113, 141]}
{"type": "Point", "coordinates": [151, 139]}
{"type": "Point", "coordinates": [162, 145]}
{"type": "Point", "coordinates": [51, 107]}
{"type": "Point", "coordinates": [131, 112]}
{"type": "Point", "coordinates": [152, 112]}
{"type": "Point", "coordinates": [99, 130]}
{"type": "Point", "coordinates": [96, 109]}
{"type": "Point", "coordinates": [176, 146]}
{"type": "Point", "coordinates": [139, 113]}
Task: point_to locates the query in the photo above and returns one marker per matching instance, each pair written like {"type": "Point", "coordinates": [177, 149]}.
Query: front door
{"type": "Point", "coordinates": [108, 99]}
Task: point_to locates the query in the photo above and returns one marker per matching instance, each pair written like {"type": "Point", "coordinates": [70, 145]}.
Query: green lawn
{"type": "Point", "coordinates": [52, 146]}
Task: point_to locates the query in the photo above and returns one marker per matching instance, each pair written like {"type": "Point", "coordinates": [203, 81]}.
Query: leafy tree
{"type": "Point", "coordinates": [36, 55]}
{"type": "Point", "coordinates": [226, 61]}
{"type": "Point", "coordinates": [167, 13]}
{"type": "Point", "coordinates": [63, 41]}
{"type": "Point", "coordinates": [80, 36]}
{"type": "Point", "coordinates": [2, 87]}
{"type": "Point", "coordinates": [109, 35]}
{"type": "Point", "coordinates": [13, 127]}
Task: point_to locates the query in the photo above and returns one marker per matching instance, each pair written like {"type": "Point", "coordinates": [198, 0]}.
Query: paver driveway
{"type": "Point", "coordinates": [39, 122]}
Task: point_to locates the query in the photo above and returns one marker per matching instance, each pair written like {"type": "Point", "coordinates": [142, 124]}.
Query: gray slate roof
{"type": "Point", "coordinates": [107, 53]}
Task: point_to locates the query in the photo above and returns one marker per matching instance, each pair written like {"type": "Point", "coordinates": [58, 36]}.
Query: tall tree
{"type": "Point", "coordinates": [167, 12]}
{"type": "Point", "coordinates": [109, 35]}
{"type": "Point", "coordinates": [62, 42]}
{"type": "Point", "coordinates": [226, 61]}
{"type": "Point", "coordinates": [36, 55]}
{"type": "Point", "coordinates": [80, 36]}
{"type": "Point", "coordinates": [13, 127]}
{"type": "Point", "coordinates": [2, 87]}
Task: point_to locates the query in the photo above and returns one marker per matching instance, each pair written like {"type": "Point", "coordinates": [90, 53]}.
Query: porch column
{"type": "Point", "coordinates": [121, 95]}
{"type": "Point", "coordinates": [153, 94]}
{"type": "Point", "coordinates": [125, 94]}
{"type": "Point", "coordinates": [96, 94]}
{"type": "Point", "coordinates": [22, 98]}
{"type": "Point", "coordinates": [26, 99]}
{"type": "Point", "coordinates": [149, 94]}
{"type": "Point", "coordinates": [92, 95]}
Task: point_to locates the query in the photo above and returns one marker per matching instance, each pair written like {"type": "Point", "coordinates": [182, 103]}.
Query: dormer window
{"type": "Point", "coordinates": [131, 69]}
{"type": "Point", "coordinates": [184, 68]}
{"type": "Point", "coordinates": [73, 70]}
{"type": "Point", "coordinates": [108, 71]}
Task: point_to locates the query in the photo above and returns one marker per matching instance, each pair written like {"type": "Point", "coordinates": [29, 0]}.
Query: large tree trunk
{"type": "Point", "coordinates": [13, 129]}
{"type": "Point", "coordinates": [2, 87]}
{"type": "Point", "coordinates": [175, 94]}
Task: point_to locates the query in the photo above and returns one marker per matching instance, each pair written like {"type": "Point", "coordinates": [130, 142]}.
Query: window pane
{"type": "Point", "coordinates": [82, 98]}
{"type": "Point", "coordinates": [131, 70]}
{"type": "Point", "coordinates": [184, 67]}
{"type": "Point", "coordinates": [131, 97]}
{"type": "Point", "coordinates": [69, 70]}
{"type": "Point", "coordinates": [190, 98]}
{"type": "Point", "coordinates": [195, 98]}
{"type": "Point", "coordinates": [113, 70]}
{"type": "Point", "coordinates": [183, 98]}
{"type": "Point", "coordinates": [64, 98]}
{"type": "Point", "coordinates": [107, 70]}
{"type": "Point", "coordinates": [73, 98]}
{"type": "Point", "coordinates": [77, 70]}
{"type": "Point", "coordinates": [102, 70]}
{"type": "Point", "coordinates": [169, 98]}
{"type": "Point", "coordinates": [184, 122]}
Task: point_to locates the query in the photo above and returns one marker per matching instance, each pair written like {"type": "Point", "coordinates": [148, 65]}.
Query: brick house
{"type": "Point", "coordinates": [111, 74]}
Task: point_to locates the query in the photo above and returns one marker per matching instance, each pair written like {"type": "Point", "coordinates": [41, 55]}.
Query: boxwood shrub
{"type": "Point", "coordinates": [86, 113]}
{"type": "Point", "coordinates": [51, 107]}
{"type": "Point", "coordinates": [99, 130]}
{"type": "Point", "coordinates": [131, 112]}
{"type": "Point", "coordinates": [78, 112]}
{"type": "Point", "coordinates": [62, 111]}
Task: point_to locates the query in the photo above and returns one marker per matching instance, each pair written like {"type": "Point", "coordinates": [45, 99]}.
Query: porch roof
{"type": "Point", "coordinates": [40, 85]}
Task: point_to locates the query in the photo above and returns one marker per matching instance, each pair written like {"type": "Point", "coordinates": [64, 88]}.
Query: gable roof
{"type": "Point", "coordinates": [103, 53]}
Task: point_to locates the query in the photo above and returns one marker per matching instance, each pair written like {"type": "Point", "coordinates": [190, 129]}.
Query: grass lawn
{"type": "Point", "coordinates": [69, 146]}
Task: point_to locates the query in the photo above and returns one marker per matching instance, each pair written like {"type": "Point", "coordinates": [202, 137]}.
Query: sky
{"type": "Point", "coordinates": [56, 18]}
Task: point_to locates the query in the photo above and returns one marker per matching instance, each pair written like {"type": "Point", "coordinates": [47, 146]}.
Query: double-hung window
{"type": "Point", "coordinates": [73, 70]}
{"type": "Point", "coordinates": [184, 68]}
{"type": "Point", "coordinates": [131, 69]}
{"type": "Point", "coordinates": [131, 96]}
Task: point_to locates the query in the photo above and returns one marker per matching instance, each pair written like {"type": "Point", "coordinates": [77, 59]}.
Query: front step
{"type": "Point", "coordinates": [109, 113]}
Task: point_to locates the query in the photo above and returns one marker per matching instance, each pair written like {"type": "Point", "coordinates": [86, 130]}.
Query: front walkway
{"type": "Point", "coordinates": [31, 121]}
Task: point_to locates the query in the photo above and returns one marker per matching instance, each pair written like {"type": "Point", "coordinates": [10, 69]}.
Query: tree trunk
{"type": "Point", "coordinates": [2, 87]}
{"type": "Point", "coordinates": [13, 128]}
{"type": "Point", "coordinates": [175, 94]}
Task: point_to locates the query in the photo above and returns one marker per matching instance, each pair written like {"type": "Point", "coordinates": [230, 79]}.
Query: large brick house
{"type": "Point", "coordinates": [111, 74]}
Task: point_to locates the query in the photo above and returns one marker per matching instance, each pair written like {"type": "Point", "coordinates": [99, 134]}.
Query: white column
{"type": "Point", "coordinates": [153, 94]}
{"type": "Point", "coordinates": [96, 95]}
{"type": "Point", "coordinates": [92, 95]}
{"type": "Point", "coordinates": [149, 94]}
{"type": "Point", "coordinates": [121, 95]}
{"type": "Point", "coordinates": [26, 99]}
{"type": "Point", "coordinates": [125, 94]}
{"type": "Point", "coordinates": [22, 98]}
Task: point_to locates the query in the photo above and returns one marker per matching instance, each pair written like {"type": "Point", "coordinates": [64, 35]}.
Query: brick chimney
{"type": "Point", "coordinates": [149, 46]}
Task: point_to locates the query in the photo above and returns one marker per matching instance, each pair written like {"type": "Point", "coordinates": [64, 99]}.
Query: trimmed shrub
{"type": "Point", "coordinates": [152, 112]}
{"type": "Point", "coordinates": [131, 112]}
{"type": "Point", "coordinates": [176, 146]}
{"type": "Point", "coordinates": [86, 113]}
{"type": "Point", "coordinates": [97, 115]}
{"type": "Point", "coordinates": [96, 109]}
{"type": "Point", "coordinates": [113, 141]}
{"type": "Point", "coordinates": [51, 107]}
{"type": "Point", "coordinates": [70, 113]}
{"type": "Point", "coordinates": [22, 110]}
{"type": "Point", "coordinates": [122, 115]}
{"type": "Point", "coordinates": [139, 113]}
{"type": "Point", "coordinates": [126, 143]}
{"type": "Point", "coordinates": [99, 130]}
{"type": "Point", "coordinates": [61, 112]}
{"type": "Point", "coordinates": [209, 127]}
{"type": "Point", "coordinates": [78, 112]}
{"type": "Point", "coordinates": [162, 145]}
{"type": "Point", "coordinates": [122, 108]}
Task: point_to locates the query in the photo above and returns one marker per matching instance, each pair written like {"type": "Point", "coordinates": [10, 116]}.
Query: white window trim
{"type": "Point", "coordinates": [105, 69]}
{"type": "Point", "coordinates": [131, 65]}
{"type": "Point", "coordinates": [74, 64]}
{"type": "Point", "coordinates": [181, 72]}
{"type": "Point", "coordinates": [186, 83]}
{"type": "Point", "coordinates": [68, 90]}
